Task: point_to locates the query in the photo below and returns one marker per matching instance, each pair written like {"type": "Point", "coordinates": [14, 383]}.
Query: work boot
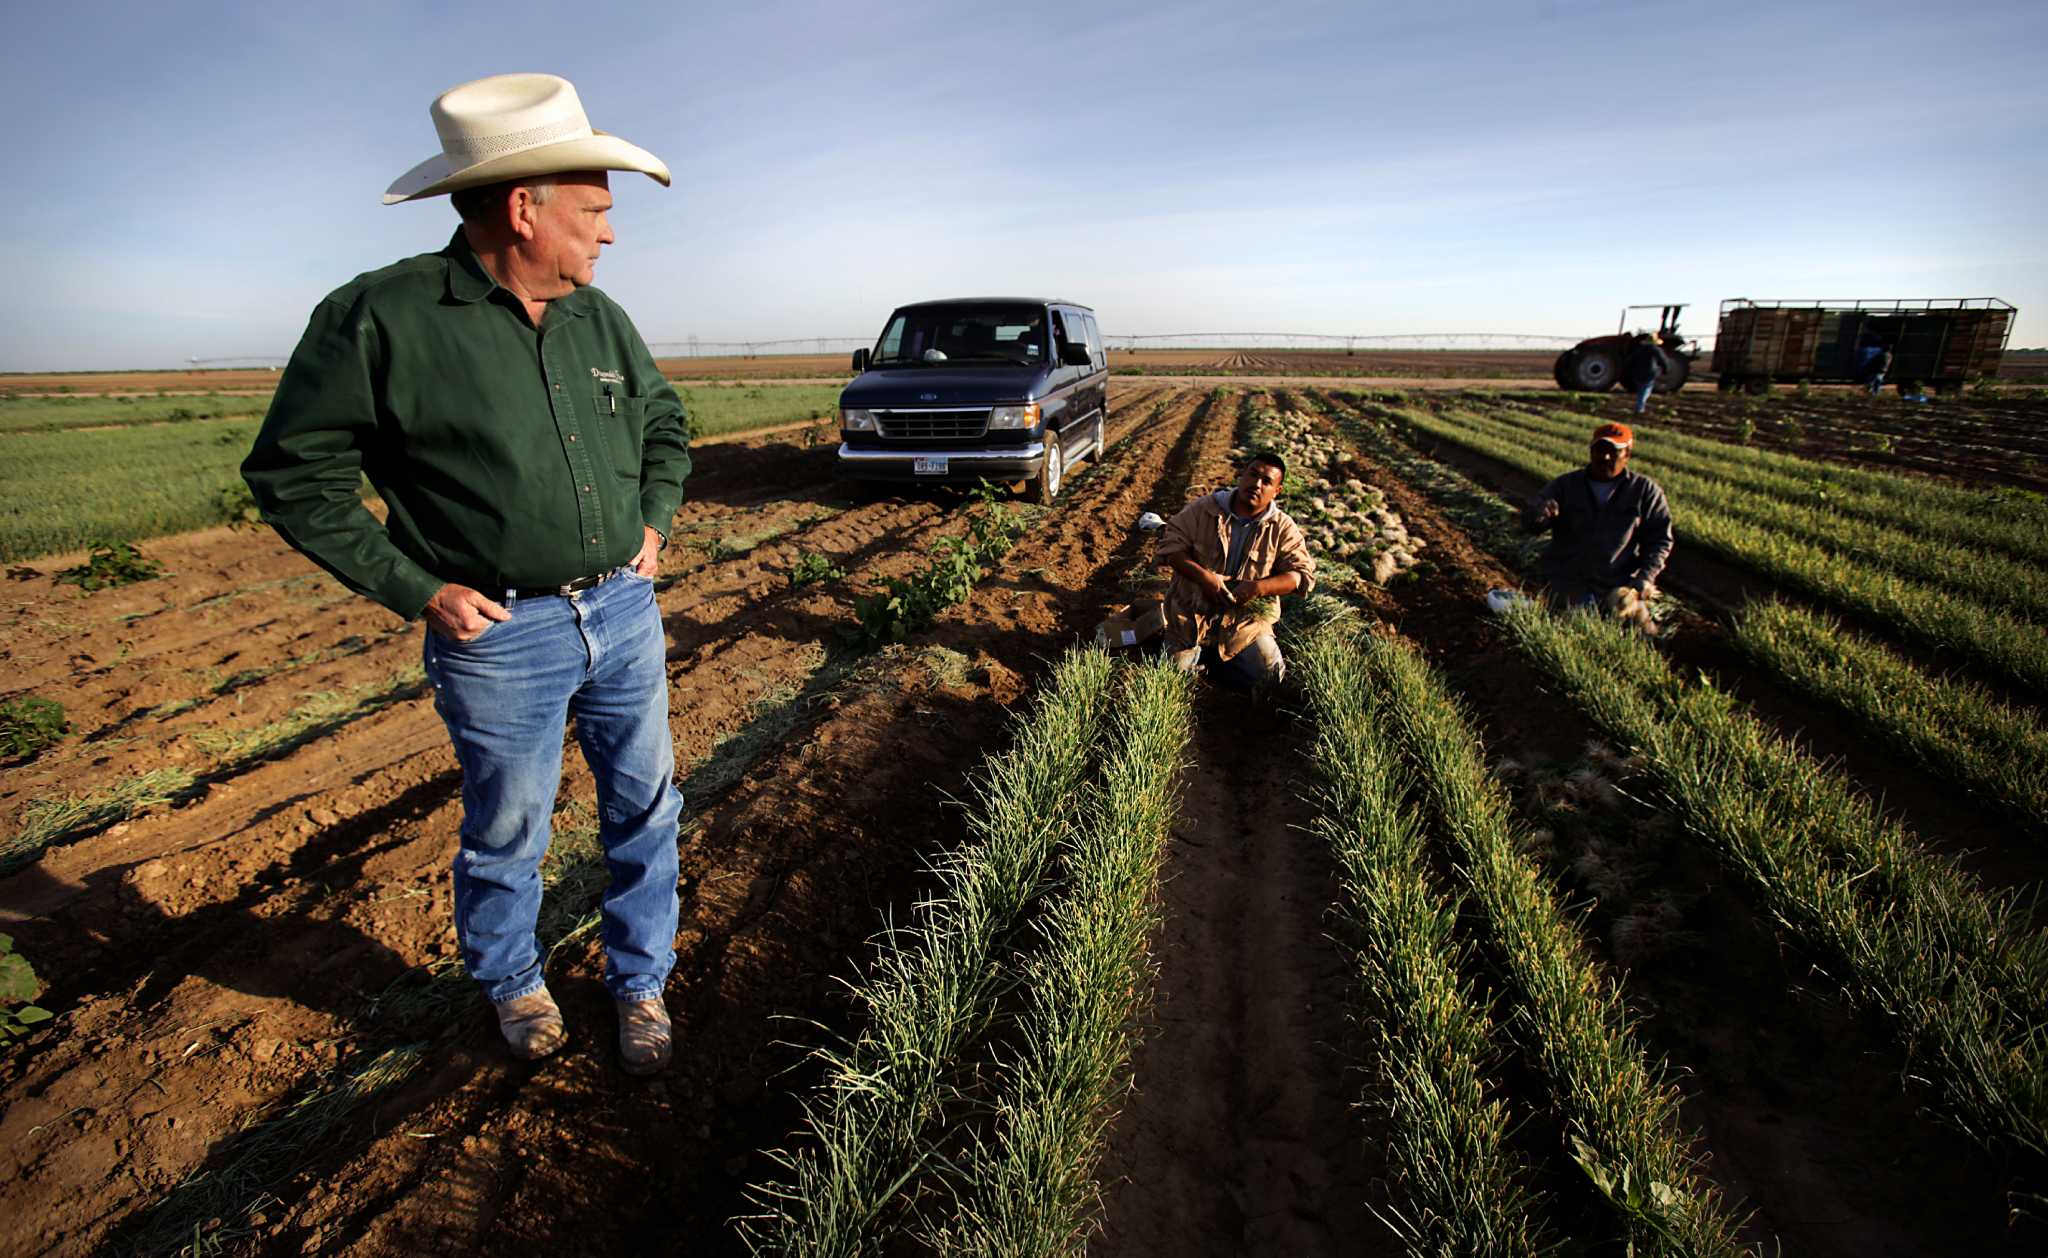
{"type": "Point", "coordinates": [532, 1025]}
{"type": "Point", "coordinates": [644, 1039]}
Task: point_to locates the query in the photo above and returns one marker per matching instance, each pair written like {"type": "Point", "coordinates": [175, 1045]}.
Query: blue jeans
{"type": "Point", "coordinates": [1643, 396]}
{"type": "Point", "coordinates": [600, 657]}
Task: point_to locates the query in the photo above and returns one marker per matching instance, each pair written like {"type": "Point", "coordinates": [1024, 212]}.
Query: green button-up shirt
{"type": "Point", "coordinates": [509, 456]}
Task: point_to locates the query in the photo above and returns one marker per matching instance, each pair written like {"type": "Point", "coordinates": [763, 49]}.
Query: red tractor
{"type": "Point", "coordinates": [1594, 366]}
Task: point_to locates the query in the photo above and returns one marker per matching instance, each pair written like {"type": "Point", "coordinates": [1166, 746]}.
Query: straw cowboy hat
{"type": "Point", "coordinates": [510, 125]}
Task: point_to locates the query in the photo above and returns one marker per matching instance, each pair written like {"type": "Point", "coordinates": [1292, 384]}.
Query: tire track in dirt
{"type": "Point", "coordinates": [1789, 1091]}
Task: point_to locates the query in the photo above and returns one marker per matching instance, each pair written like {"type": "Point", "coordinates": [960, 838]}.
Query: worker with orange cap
{"type": "Point", "coordinates": [1610, 528]}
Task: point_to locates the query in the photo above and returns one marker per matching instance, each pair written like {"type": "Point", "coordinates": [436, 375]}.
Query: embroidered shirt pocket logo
{"type": "Point", "coordinates": [602, 376]}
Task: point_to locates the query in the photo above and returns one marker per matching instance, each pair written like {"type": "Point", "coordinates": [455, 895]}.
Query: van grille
{"type": "Point", "coordinates": [932, 425]}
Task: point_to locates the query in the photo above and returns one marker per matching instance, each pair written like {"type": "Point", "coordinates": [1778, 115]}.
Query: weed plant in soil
{"type": "Point", "coordinates": [19, 987]}
{"type": "Point", "coordinates": [108, 565]}
{"type": "Point", "coordinates": [811, 568]}
{"type": "Point", "coordinates": [29, 724]}
{"type": "Point", "coordinates": [909, 603]}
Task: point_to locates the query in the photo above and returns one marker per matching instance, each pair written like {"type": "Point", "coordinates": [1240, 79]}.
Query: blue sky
{"type": "Point", "coordinates": [192, 178]}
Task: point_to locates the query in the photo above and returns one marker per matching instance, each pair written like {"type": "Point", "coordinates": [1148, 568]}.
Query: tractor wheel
{"type": "Point", "coordinates": [1595, 371]}
{"type": "Point", "coordinates": [1045, 486]}
{"type": "Point", "coordinates": [1676, 369]}
{"type": "Point", "coordinates": [1562, 369]}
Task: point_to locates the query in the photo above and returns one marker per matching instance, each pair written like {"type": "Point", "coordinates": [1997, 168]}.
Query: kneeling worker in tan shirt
{"type": "Point", "coordinates": [1233, 553]}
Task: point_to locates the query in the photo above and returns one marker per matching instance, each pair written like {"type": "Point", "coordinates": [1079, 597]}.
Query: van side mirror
{"type": "Point", "coordinates": [860, 360]}
{"type": "Point", "coordinates": [1072, 355]}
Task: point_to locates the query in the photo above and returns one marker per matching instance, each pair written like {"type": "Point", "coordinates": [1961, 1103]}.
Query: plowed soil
{"type": "Point", "coordinates": [260, 1036]}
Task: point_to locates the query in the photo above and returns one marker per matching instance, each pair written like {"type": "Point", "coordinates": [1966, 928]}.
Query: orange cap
{"type": "Point", "coordinates": [1615, 435]}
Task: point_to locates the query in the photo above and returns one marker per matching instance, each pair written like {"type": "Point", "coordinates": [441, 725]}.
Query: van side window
{"type": "Point", "coordinates": [892, 339]}
{"type": "Point", "coordinates": [1059, 333]}
{"type": "Point", "coordinates": [1094, 338]}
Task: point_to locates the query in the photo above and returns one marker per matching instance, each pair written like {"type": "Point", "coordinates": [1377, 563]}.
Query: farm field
{"type": "Point", "coordinates": [2020, 369]}
{"type": "Point", "coordinates": [86, 469]}
{"type": "Point", "coordinates": [1492, 928]}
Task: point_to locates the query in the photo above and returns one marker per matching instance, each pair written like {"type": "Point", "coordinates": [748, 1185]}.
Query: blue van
{"type": "Point", "coordinates": [1005, 389]}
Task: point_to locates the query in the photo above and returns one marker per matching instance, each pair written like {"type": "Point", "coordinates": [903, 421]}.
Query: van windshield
{"type": "Point", "coordinates": [936, 336]}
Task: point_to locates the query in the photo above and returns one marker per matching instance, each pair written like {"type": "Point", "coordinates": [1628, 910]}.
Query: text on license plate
{"type": "Point", "coordinates": [929, 465]}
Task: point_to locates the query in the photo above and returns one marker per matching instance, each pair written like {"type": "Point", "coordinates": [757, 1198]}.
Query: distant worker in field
{"type": "Point", "coordinates": [1233, 553]}
{"type": "Point", "coordinates": [1873, 362]}
{"type": "Point", "coordinates": [532, 458]}
{"type": "Point", "coordinates": [1643, 368]}
{"type": "Point", "coordinates": [1610, 531]}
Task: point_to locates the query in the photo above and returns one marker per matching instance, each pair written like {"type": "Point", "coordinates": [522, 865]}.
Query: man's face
{"type": "Point", "coordinates": [1257, 486]}
{"type": "Point", "coordinates": [1607, 460]}
{"type": "Point", "coordinates": [569, 230]}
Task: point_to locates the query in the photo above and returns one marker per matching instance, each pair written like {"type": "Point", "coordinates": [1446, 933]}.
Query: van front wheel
{"type": "Point", "coordinates": [1046, 485]}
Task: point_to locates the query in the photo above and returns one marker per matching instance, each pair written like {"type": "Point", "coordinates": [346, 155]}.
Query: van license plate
{"type": "Point", "coordinates": [929, 466]}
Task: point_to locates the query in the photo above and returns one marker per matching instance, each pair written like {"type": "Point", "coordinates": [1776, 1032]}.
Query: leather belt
{"type": "Point", "coordinates": [577, 586]}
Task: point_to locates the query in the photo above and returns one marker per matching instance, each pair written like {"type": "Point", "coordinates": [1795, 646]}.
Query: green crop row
{"type": "Point", "coordinates": [1030, 1183]}
{"type": "Point", "coordinates": [1620, 1116]}
{"type": "Point", "coordinates": [1912, 935]}
{"type": "Point", "coordinates": [1460, 1190]}
{"type": "Point", "coordinates": [43, 414]}
{"type": "Point", "coordinates": [886, 1156]}
{"type": "Point", "coordinates": [1996, 641]}
{"type": "Point", "coordinates": [933, 985]}
{"type": "Point", "coordinates": [1955, 728]}
{"type": "Point", "coordinates": [1971, 517]}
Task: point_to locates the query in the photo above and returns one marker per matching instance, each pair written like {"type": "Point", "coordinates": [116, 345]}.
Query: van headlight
{"type": "Point", "coordinates": [1025, 416]}
{"type": "Point", "coordinates": [856, 421]}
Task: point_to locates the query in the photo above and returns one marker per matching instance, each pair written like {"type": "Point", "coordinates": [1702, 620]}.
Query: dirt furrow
{"type": "Point", "coordinates": [1239, 1137]}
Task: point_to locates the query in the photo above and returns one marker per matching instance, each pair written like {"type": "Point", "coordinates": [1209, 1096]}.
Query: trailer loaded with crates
{"type": "Point", "coordinates": [1933, 343]}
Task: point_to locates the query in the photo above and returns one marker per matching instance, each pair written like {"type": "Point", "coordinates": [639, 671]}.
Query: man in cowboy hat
{"type": "Point", "coordinates": [531, 457]}
{"type": "Point", "coordinates": [1610, 530]}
